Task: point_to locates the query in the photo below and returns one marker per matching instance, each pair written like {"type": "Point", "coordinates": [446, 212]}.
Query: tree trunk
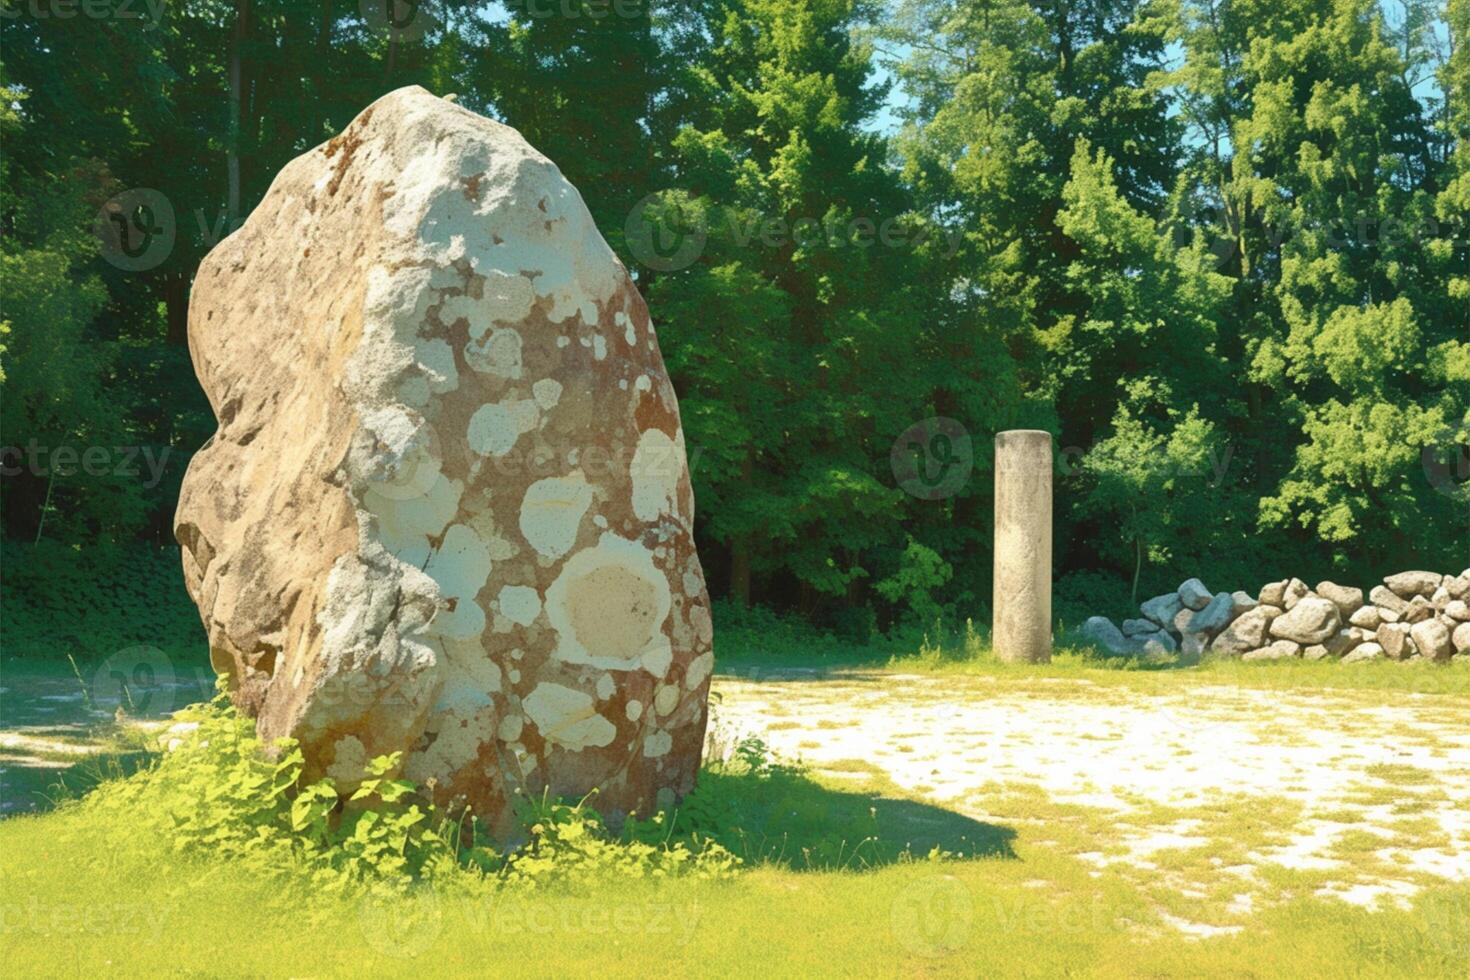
{"type": "Point", "coordinates": [740, 570]}
{"type": "Point", "coordinates": [237, 97]}
{"type": "Point", "coordinates": [740, 546]}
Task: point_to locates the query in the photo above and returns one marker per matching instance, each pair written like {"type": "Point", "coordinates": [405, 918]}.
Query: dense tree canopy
{"type": "Point", "coordinates": [1220, 248]}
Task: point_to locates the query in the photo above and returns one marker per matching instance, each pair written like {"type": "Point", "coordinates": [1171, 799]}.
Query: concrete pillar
{"type": "Point", "coordinates": [1021, 594]}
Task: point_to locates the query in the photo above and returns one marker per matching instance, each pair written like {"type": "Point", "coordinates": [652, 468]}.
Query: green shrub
{"type": "Point", "coordinates": [89, 603]}
{"type": "Point", "coordinates": [216, 793]}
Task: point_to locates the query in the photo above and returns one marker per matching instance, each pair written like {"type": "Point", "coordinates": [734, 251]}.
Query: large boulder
{"type": "Point", "coordinates": [1194, 595]}
{"type": "Point", "coordinates": [1099, 631]}
{"type": "Point", "coordinates": [1138, 627]}
{"type": "Point", "coordinates": [1348, 599]}
{"type": "Point", "coordinates": [1214, 617]}
{"type": "Point", "coordinates": [1241, 602]}
{"type": "Point", "coordinates": [1409, 584]}
{"type": "Point", "coordinates": [1387, 601]}
{"type": "Point", "coordinates": [1248, 631]}
{"type": "Point", "coordinates": [1418, 610]}
{"type": "Point", "coordinates": [1364, 651]}
{"type": "Point", "coordinates": [447, 511]}
{"type": "Point", "coordinates": [1458, 586]}
{"type": "Point", "coordinates": [1432, 639]}
{"type": "Point", "coordinates": [1311, 620]}
{"type": "Point", "coordinates": [1162, 608]}
{"type": "Point", "coordinates": [1277, 650]}
{"type": "Point", "coordinates": [1394, 638]}
{"type": "Point", "coordinates": [1368, 617]}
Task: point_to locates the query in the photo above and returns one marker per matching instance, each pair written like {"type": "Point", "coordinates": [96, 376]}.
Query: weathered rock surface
{"type": "Point", "coordinates": [1194, 645]}
{"type": "Point", "coordinates": [1394, 638]}
{"type": "Point", "coordinates": [1347, 599]}
{"type": "Point", "coordinates": [1311, 620]}
{"type": "Point", "coordinates": [1138, 627]}
{"type": "Point", "coordinates": [1100, 631]}
{"type": "Point", "coordinates": [1459, 586]}
{"type": "Point", "coordinates": [1409, 584]}
{"type": "Point", "coordinates": [1241, 602]}
{"type": "Point", "coordinates": [1277, 650]}
{"type": "Point", "coordinates": [1155, 644]}
{"type": "Point", "coordinates": [1418, 610]}
{"type": "Point", "coordinates": [447, 510]}
{"type": "Point", "coordinates": [1194, 595]}
{"type": "Point", "coordinates": [1364, 651]}
{"type": "Point", "coordinates": [1432, 640]}
{"type": "Point", "coordinates": [1296, 590]}
{"type": "Point", "coordinates": [1367, 617]}
{"type": "Point", "coordinates": [1386, 599]}
{"type": "Point", "coordinates": [1460, 638]}
{"type": "Point", "coordinates": [1214, 617]}
{"type": "Point", "coordinates": [1162, 608]}
{"type": "Point", "coordinates": [1248, 632]}
{"type": "Point", "coordinates": [1274, 593]}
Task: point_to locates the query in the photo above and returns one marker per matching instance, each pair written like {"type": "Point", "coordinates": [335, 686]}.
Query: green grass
{"type": "Point", "coordinates": [838, 877]}
{"type": "Point", "coordinates": [84, 898]}
{"type": "Point", "coordinates": [782, 649]}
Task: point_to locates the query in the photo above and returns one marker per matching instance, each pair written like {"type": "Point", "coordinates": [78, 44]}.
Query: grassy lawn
{"type": "Point", "coordinates": [843, 871]}
{"type": "Point", "coordinates": [86, 899]}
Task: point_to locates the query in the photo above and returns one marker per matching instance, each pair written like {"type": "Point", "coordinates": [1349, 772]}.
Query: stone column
{"type": "Point", "coordinates": [1021, 594]}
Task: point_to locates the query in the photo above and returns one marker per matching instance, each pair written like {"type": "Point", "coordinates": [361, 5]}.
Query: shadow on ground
{"type": "Point", "coordinates": [32, 782]}
{"type": "Point", "coordinates": [779, 815]}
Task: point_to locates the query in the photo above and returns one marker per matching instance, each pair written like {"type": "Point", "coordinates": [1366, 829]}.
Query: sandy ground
{"type": "Point", "coordinates": [1344, 756]}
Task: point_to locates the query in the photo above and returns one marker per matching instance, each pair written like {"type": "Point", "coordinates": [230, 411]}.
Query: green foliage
{"type": "Point", "coordinates": [64, 600]}
{"type": "Point", "coordinates": [1154, 228]}
{"type": "Point", "coordinates": [218, 793]}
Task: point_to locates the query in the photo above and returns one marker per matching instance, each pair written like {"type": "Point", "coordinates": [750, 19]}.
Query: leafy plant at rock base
{"type": "Point", "coordinates": [216, 793]}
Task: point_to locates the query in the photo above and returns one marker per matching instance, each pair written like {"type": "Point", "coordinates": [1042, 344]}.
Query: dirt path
{"type": "Point", "coordinates": [1208, 792]}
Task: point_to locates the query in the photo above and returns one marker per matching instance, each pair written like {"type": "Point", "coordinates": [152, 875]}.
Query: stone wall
{"type": "Point", "coordinates": [1412, 615]}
